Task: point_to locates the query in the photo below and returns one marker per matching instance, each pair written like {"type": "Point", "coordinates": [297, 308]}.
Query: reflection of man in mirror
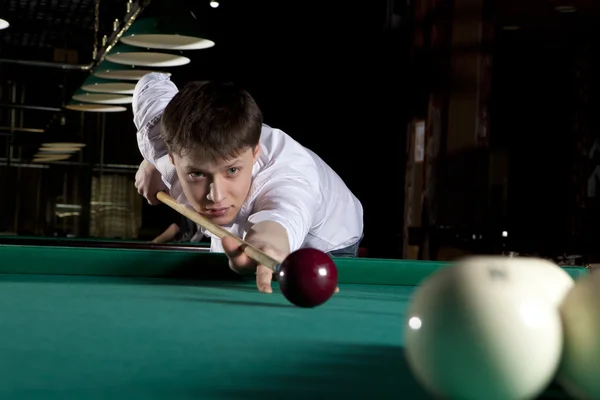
{"type": "Point", "coordinates": [184, 231]}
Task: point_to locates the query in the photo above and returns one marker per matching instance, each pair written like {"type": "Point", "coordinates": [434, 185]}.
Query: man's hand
{"type": "Point", "coordinates": [148, 182]}
{"type": "Point", "coordinates": [242, 264]}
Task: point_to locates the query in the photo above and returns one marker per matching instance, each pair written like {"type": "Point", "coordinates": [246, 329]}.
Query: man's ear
{"type": "Point", "coordinates": [256, 152]}
{"type": "Point", "coordinates": [171, 159]}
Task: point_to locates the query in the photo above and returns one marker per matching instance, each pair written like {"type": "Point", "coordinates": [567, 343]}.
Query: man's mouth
{"type": "Point", "coordinates": [217, 212]}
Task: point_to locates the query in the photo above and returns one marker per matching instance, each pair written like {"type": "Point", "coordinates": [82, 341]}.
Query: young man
{"type": "Point", "coordinates": [207, 145]}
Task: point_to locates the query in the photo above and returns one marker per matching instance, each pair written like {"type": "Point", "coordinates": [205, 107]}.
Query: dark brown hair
{"type": "Point", "coordinates": [214, 121]}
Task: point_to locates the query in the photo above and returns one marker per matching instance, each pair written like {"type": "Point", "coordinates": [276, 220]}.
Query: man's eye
{"type": "Point", "coordinates": [232, 171]}
{"type": "Point", "coordinates": [196, 174]}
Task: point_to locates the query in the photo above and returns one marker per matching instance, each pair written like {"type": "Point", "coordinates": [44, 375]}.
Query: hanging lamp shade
{"type": "Point", "coordinates": [109, 70]}
{"type": "Point", "coordinates": [77, 145]}
{"type": "Point", "coordinates": [137, 56]}
{"type": "Point", "coordinates": [99, 85]}
{"type": "Point", "coordinates": [166, 33]}
{"type": "Point", "coordinates": [3, 24]}
{"type": "Point", "coordinates": [47, 159]}
{"type": "Point", "coordinates": [59, 148]}
{"type": "Point", "coordinates": [89, 107]}
{"type": "Point", "coordinates": [81, 96]}
{"type": "Point", "coordinates": [55, 151]}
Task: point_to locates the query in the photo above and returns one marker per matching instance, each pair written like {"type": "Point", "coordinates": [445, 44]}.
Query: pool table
{"type": "Point", "coordinates": [86, 321]}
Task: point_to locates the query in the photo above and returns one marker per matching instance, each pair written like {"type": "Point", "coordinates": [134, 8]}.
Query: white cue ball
{"type": "Point", "coordinates": [481, 330]}
{"type": "Point", "coordinates": [579, 371]}
{"type": "Point", "coordinates": [550, 278]}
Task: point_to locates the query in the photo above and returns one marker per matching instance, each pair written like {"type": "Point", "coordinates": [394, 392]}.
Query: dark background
{"type": "Point", "coordinates": [339, 77]}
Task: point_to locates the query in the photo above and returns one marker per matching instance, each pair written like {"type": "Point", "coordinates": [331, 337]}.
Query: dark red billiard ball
{"type": "Point", "coordinates": [307, 277]}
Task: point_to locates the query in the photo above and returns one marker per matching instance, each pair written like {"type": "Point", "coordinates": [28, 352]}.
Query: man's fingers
{"type": "Point", "coordinates": [263, 279]}
{"type": "Point", "coordinates": [235, 254]}
{"type": "Point", "coordinates": [231, 247]}
{"type": "Point", "coordinates": [148, 182]}
{"type": "Point", "coordinates": [153, 199]}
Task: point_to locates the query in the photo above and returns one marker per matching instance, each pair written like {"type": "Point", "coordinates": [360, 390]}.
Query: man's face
{"type": "Point", "coordinates": [216, 190]}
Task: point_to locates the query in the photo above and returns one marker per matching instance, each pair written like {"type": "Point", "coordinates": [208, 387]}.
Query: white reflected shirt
{"type": "Point", "coordinates": [290, 184]}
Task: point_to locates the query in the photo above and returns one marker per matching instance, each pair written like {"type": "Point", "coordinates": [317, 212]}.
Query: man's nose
{"type": "Point", "coordinates": [216, 193]}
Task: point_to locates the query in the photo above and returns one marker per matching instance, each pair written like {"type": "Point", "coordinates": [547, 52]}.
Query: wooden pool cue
{"type": "Point", "coordinates": [251, 251]}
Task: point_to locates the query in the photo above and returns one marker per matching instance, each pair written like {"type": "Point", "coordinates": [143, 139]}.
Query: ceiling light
{"type": "Point", "coordinates": [167, 33]}
{"type": "Point", "coordinates": [63, 144]}
{"type": "Point", "coordinates": [99, 85]}
{"type": "Point", "coordinates": [53, 154]}
{"type": "Point", "coordinates": [48, 151]}
{"type": "Point", "coordinates": [108, 70]}
{"type": "Point", "coordinates": [59, 149]}
{"type": "Point", "coordinates": [102, 98]}
{"type": "Point", "coordinates": [51, 158]}
{"type": "Point", "coordinates": [3, 24]}
{"type": "Point", "coordinates": [565, 9]}
{"type": "Point", "coordinates": [94, 107]}
{"type": "Point", "coordinates": [130, 55]}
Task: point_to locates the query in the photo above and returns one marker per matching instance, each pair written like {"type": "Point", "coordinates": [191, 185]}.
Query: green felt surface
{"type": "Point", "coordinates": [89, 323]}
{"type": "Point", "coordinates": [38, 259]}
{"type": "Point", "coordinates": [67, 337]}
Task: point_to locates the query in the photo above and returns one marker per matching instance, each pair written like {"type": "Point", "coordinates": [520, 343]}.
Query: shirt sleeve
{"type": "Point", "coordinates": [151, 95]}
{"type": "Point", "coordinates": [291, 203]}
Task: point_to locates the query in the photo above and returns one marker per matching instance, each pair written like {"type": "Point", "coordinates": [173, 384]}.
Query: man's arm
{"type": "Point", "coordinates": [148, 182]}
{"type": "Point", "coordinates": [271, 234]}
{"type": "Point", "coordinates": [168, 234]}
{"type": "Point", "coordinates": [152, 94]}
{"type": "Point", "coordinates": [284, 213]}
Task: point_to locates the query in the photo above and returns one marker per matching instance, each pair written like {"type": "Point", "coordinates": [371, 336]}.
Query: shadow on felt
{"type": "Point", "coordinates": [342, 371]}
{"type": "Point", "coordinates": [146, 268]}
{"type": "Point", "coordinates": [334, 371]}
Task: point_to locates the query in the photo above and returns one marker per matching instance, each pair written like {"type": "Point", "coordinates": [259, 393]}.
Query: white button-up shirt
{"type": "Point", "coordinates": [291, 185]}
